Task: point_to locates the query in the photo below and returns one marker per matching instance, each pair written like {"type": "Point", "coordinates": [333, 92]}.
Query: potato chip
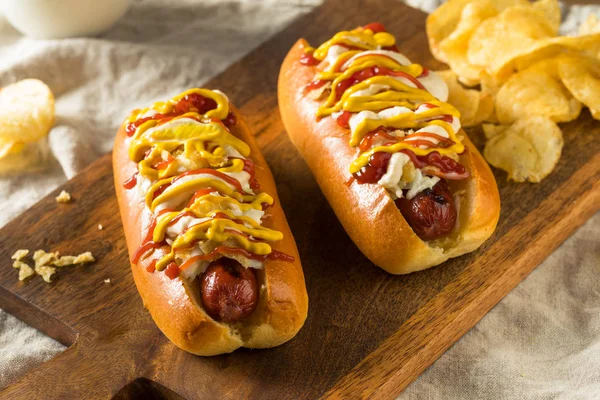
{"type": "Point", "coordinates": [64, 261]}
{"type": "Point", "coordinates": [63, 197]}
{"type": "Point", "coordinates": [22, 157]}
{"type": "Point", "coordinates": [582, 78]}
{"type": "Point", "coordinates": [25, 271]}
{"type": "Point", "coordinates": [496, 41]}
{"type": "Point", "coordinates": [20, 254]}
{"type": "Point", "coordinates": [467, 101]}
{"type": "Point", "coordinates": [442, 22]}
{"type": "Point", "coordinates": [491, 130]}
{"type": "Point", "coordinates": [455, 46]}
{"type": "Point", "coordinates": [41, 258]}
{"type": "Point", "coordinates": [534, 92]}
{"type": "Point", "coordinates": [84, 258]}
{"type": "Point", "coordinates": [550, 9]}
{"type": "Point", "coordinates": [26, 111]}
{"type": "Point", "coordinates": [528, 149]}
{"type": "Point", "coordinates": [45, 272]}
{"type": "Point", "coordinates": [486, 108]}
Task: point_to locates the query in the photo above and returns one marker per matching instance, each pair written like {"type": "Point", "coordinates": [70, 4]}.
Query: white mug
{"type": "Point", "coordinates": [50, 19]}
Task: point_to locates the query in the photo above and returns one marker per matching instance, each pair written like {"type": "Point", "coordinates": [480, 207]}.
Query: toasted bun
{"type": "Point", "coordinates": [175, 307]}
{"type": "Point", "coordinates": [367, 212]}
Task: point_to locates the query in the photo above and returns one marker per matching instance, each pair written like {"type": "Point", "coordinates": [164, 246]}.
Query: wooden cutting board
{"type": "Point", "coordinates": [367, 334]}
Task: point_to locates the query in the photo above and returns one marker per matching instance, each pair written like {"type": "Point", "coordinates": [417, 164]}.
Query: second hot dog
{"type": "Point", "coordinates": [387, 150]}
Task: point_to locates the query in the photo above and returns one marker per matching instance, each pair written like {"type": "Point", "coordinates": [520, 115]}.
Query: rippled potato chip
{"type": "Point", "coordinates": [455, 46]}
{"type": "Point", "coordinates": [500, 39]}
{"type": "Point", "coordinates": [485, 112]}
{"type": "Point", "coordinates": [527, 150]}
{"type": "Point", "coordinates": [474, 106]}
{"type": "Point", "coordinates": [441, 23]}
{"type": "Point", "coordinates": [550, 9]}
{"type": "Point", "coordinates": [22, 157]}
{"type": "Point", "coordinates": [581, 76]}
{"type": "Point", "coordinates": [26, 111]}
{"type": "Point", "coordinates": [535, 92]}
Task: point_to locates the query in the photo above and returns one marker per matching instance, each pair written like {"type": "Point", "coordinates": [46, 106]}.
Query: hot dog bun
{"type": "Point", "coordinates": [176, 307]}
{"type": "Point", "coordinates": [367, 211]}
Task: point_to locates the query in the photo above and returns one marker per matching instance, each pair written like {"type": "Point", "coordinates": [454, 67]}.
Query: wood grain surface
{"type": "Point", "coordinates": [368, 333]}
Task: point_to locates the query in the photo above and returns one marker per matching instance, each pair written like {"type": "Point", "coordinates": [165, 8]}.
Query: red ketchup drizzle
{"type": "Point", "coordinates": [152, 267]}
{"type": "Point", "coordinates": [448, 168]}
{"type": "Point", "coordinates": [250, 168]}
{"type": "Point", "coordinates": [230, 120]}
{"type": "Point", "coordinates": [162, 164]}
{"type": "Point", "coordinates": [344, 119]}
{"type": "Point", "coordinates": [233, 182]}
{"type": "Point", "coordinates": [181, 215]}
{"type": "Point", "coordinates": [225, 250]}
{"type": "Point", "coordinates": [309, 59]}
{"type": "Point", "coordinates": [367, 141]}
{"type": "Point", "coordinates": [362, 75]}
{"type": "Point", "coordinates": [375, 169]}
{"type": "Point", "coordinates": [190, 102]}
{"type": "Point", "coordinates": [370, 72]}
{"type": "Point", "coordinates": [314, 85]}
{"type": "Point", "coordinates": [160, 190]}
{"type": "Point", "coordinates": [445, 167]}
{"type": "Point", "coordinates": [148, 243]}
{"type": "Point", "coordinates": [172, 270]}
{"type": "Point", "coordinates": [131, 182]}
{"type": "Point", "coordinates": [443, 141]}
{"type": "Point", "coordinates": [376, 27]}
{"type": "Point", "coordinates": [198, 194]}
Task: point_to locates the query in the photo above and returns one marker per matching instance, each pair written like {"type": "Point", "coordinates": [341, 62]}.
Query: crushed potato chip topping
{"type": "Point", "coordinates": [64, 261]}
{"type": "Point", "coordinates": [63, 197]}
{"type": "Point", "coordinates": [45, 263]}
{"type": "Point", "coordinates": [25, 271]}
{"type": "Point", "coordinates": [41, 258]}
{"type": "Point", "coordinates": [45, 272]}
{"type": "Point", "coordinates": [84, 257]}
{"type": "Point", "coordinates": [20, 254]}
{"type": "Point", "coordinates": [531, 78]}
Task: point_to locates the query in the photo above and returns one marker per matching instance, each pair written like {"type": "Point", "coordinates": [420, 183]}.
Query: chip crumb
{"type": "Point", "coordinates": [41, 258]}
{"type": "Point", "coordinates": [45, 272]}
{"type": "Point", "coordinates": [45, 263]}
{"type": "Point", "coordinates": [84, 257]}
{"type": "Point", "coordinates": [63, 197]}
{"type": "Point", "coordinates": [20, 254]}
{"type": "Point", "coordinates": [100, 227]}
{"type": "Point", "coordinates": [107, 280]}
{"type": "Point", "coordinates": [64, 261]}
{"type": "Point", "coordinates": [25, 271]}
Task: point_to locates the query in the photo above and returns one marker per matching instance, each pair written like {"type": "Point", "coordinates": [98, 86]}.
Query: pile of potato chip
{"type": "Point", "coordinates": [45, 263]}
{"type": "Point", "coordinates": [529, 78]}
{"type": "Point", "coordinates": [26, 117]}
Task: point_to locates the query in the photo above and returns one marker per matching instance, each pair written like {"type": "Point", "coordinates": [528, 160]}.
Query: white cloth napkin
{"type": "Point", "coordinates": [541, 341]}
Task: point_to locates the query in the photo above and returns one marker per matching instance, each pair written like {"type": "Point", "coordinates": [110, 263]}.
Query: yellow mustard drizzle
{"type": "Point", "coordinates": [361, 38]}
{"type": "Point", "coordinates": [204, 140]}
{"type": "Point", "coordinates": [395, 93]}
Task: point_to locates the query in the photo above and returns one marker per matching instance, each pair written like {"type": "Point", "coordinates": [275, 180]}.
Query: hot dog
{"type": "Point", "coordinates": [387, 150]}
{"type": "Point", "coordinates": [211, 252]}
